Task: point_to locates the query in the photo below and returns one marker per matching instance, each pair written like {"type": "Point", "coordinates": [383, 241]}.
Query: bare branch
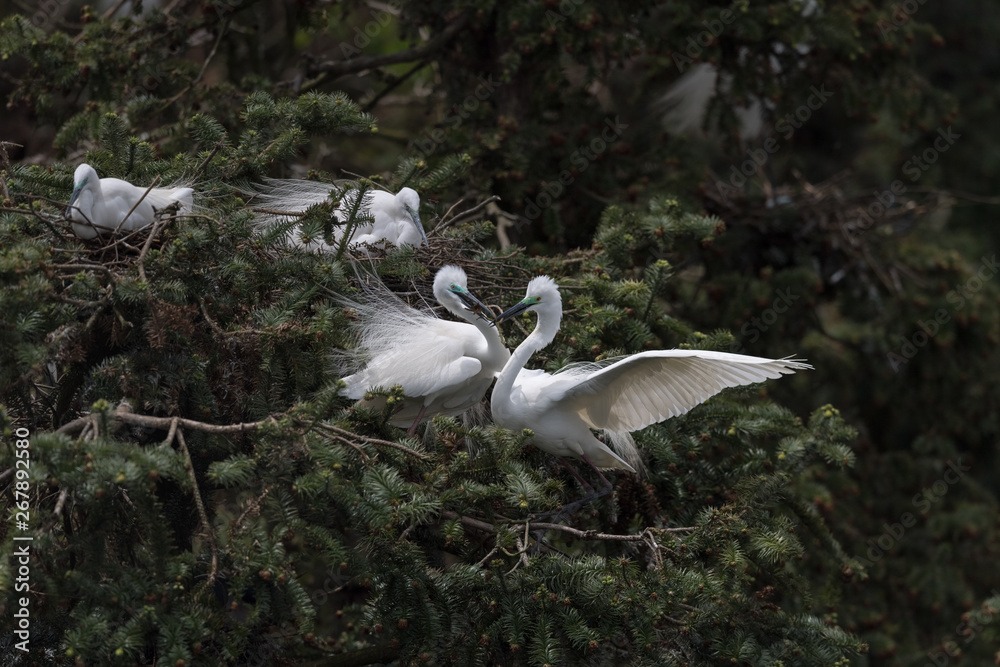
{"type": "Point", "coordinates": [337, 68]}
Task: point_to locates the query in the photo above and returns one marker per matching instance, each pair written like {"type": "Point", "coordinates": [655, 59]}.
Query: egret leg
{"type": "Point", "coordinates": [568, 509]}
{"type": "Point", "coordinates": [416, 422]}
{"type": "Point", "coordinates": [569, 466]}
{"type": "Point", "coordinates": [600, 474]}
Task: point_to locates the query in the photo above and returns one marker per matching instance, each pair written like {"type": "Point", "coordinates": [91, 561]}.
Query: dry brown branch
{"type": "Point", "coordinates": [165, 423]}
{"type": "Point", "coordinates": [445, 222]}
{"type": "Point", "coordinates": [575, 532]}
{"type": "Point", "coordinates": [374, 441]}
{"type": "Point", "coordinates": [252, 508]}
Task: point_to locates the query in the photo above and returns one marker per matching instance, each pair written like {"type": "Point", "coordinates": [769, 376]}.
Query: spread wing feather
{"type": "Point", "coordinates": [649, 387]}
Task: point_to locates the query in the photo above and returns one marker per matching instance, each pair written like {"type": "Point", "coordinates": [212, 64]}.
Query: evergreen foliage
{"type": "Point", "coordinates": [199, 492]}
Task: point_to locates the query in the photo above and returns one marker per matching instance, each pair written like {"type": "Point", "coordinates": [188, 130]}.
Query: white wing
{"type": "Point", "coordinates": [649, 387]}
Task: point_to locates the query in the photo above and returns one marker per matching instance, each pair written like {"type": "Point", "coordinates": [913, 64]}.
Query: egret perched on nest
{"type": "Point", "coordinates": [617, 396]}
{"type": "Point", "coordinates": [395, 217]}
{"type": "Point", "coordinates": [444, 367]}
{"type": "Point", "coordinates": [101, 206]}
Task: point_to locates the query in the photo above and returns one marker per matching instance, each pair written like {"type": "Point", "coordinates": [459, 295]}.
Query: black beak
{"type": "Point", "coordinates": [513, 311]}
{"type": "Point", "coordinates": [476, 306]}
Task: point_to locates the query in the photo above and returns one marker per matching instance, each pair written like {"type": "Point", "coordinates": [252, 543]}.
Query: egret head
{"type": "Point", "coordinates": [543, 296]}
{"type": "Point", "coordinates": [410, 201]}
{"type": "Point", "coordinates": [83, 177]}
{"type": "Point", "coordinates": [450, 288]}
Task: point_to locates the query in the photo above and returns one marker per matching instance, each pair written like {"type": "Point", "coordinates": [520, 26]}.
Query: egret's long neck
{"type": "Point", "coordinates": [543, 334]}
{"type": "Point", "coordinates": [97, 205]}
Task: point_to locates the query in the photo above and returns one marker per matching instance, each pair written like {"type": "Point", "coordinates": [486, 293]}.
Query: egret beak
{"type": "Point", "coordinates": [515, 310]}
{"type": "Point", "coordinates": [415, 216]}
{"type": "Point", "coordinates": [72, 198]}
{"type": "Point", "coordinates": [471, 303]}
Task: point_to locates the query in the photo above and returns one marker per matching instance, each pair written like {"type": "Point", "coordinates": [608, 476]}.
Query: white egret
{"type": "Point", "coordinates": [444, 367]}
{"type": "Point", "coordinates": [395, 217]}
{"type": "Point", "coordinates": [99, 206]}
{"type": "Point", "coordinates": [618, 396]}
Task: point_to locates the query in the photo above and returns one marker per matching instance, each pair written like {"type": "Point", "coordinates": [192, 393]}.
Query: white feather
{"type": "Point", "coordinates": [617, 396]}
{"type": "Point", "coordinates": [99, 206]}
{"type": "Point", "coordinates": [444, 367]}
{"type": "Point", "coordinates": [278, 200]}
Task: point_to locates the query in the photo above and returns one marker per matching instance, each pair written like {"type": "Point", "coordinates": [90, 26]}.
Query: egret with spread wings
{"type": "Point", "coordinates": [617, 397]}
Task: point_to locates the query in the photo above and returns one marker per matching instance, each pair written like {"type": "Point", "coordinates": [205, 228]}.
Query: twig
{"type": "Point", "coordinates": [352, 446]}
{"type": "Point", "coordinates": [215, 149]}
{"type": "Point", "coordinates": [589, 534]}
{"type": "Point", "coordinates": [135, 205]}
{"type": "Point", "coordinates": [111, 12]}
{"type": "Point", "coordinates": [337, 68]}
{"type": "Point", "coordinates": [375, 441]}
{"type": "Point", "coordinates": [252, 506]}
{"type": "Point", "coordinates": [204, 66]}
{"type": "Point", "coordinates": [297, 214]}
{"type": "Point", "coordinates": [145, 249]}
{"type": "Point", "coordinates": [582, 534]}
{"type": "Point", "coordinates": [165, 423]}
{"type": "Point", "coordinates": [488, 556]}
{"type": "Point", "coordinates": [389, 88]}
{"type": "Point", "coordinates": [63, 494]}
{"type": "Point", "coordinates": [206, 526]}
{"type": "Point", "coordinates": [5, 163]}
{"type": "Point", "coordinates": [464, 214]}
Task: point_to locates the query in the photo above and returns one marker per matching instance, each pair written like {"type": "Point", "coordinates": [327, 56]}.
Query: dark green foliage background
{"type": "Point", "coordinates": [333, 536]}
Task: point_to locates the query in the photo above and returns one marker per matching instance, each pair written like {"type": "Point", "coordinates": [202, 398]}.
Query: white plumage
{"type": "Point", "coordinates": [685, 103]}
{"type": "Point", "coordinates": [444, 367]}
{"type": "Point", "coordinates": [99, 206]}
{"type": "Point", "coordinates": [395, 217]}
{"type": "Point", "coordinates": [617, 396]}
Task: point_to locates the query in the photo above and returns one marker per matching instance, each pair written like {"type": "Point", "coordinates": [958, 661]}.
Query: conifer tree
{"type": "Point", "coordinates": [198, 491]}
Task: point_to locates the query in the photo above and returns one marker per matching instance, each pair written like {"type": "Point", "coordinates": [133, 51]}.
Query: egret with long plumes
{"type": "Point", "coordinates": [444, 367]}
{"type": "Point", "coordinates": [395, 217]}
{"type": "Point", "coordinates": [102, 206]}
{"type": "Point", "coordinates": [617, 396]}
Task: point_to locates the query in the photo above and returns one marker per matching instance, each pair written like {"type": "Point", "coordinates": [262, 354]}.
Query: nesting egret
{"type": "Point", "coordinates": [618, 396]}
{"type": "Point", "coordinates": [444, 367]}
{"type": "Point", "coordinates": [99, 206]}
{"type": "Point", "coordinates": [395, 217]}
{"type": "Point", "coordinates": [683, 107]}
